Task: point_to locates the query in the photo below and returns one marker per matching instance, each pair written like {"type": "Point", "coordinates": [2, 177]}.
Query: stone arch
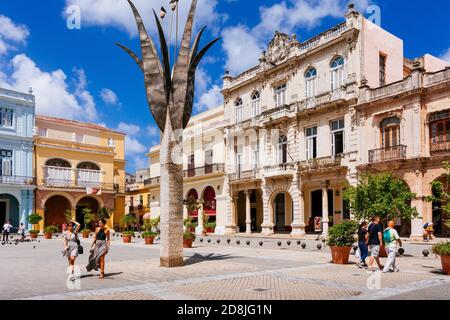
{"type": "Point", "coordinates": [192, 193]}
{"type": "Point", "coordinates": [90, 165]}
{"type": "Point", "coordinates": [58, 193]}
{"type": "Point", "coordinates": [438, 215]}
{"type": "Point", "coordinates": [56, 206]}
{"type": "Point", "coordinates": [9, 209]}
{"type": "Point", "coordinates": [99, 199]}
{"type": "Point", "coordinates": [58, 162]}
{"type": "Point", "coordinates": [89, 202]}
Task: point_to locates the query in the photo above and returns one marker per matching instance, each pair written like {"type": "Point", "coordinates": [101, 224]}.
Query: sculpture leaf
{"type": "Point", "coordinates": [153, 73]}
{"type": "Point", "coordinates": [180, 75]}
{"type": "Point", "coordinates": [132, 55]}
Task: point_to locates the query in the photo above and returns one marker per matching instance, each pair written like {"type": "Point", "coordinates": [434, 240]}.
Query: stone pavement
{"type": "Point", "coordinates": [217, 271]}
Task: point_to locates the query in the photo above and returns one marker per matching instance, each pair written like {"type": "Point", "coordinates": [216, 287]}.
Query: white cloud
{"type": "Point", "coordinates": [210, 99]}
{"type": "Point", "coordinates": [53, 95]}
{"type": "Point", "coordinates": [129, 129]}
{"type": "Point", "coordinates": [153, 131]}
{"type": "Point", "coordinates": [445, 55]}
{"type": "Point", "coordinates": [11, 34]}
{"type": "Point", "coordinates": [109, 97]}
{"type": "Point", "coordinates": [133, 146]}
{"type": "Point", "coordinates": [243, 45]}
{"type": "Point", "coordinates": [117, 13]}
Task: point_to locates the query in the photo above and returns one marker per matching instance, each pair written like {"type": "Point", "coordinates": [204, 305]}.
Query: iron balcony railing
{"type": "Point", "coordinates": [152, 181]}
{"type": "Point", "coordinates": [71, 184]}
{"type": "Point", "coordinates": [321, 163]}
{"type": "Point", "coordinates": [201, 171]}
{"type": "Point", "coordinates": [442, 147]}
{"type": "Point", "coordinates": [387, 154]}
{"type": "Point", "coordinates": [17, 180]}
{"type": "Point", "coordinates": [243, 175]}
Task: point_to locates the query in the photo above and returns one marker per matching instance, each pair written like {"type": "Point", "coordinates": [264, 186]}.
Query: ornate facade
{"type": "Point", "coordinates": [311, 116]}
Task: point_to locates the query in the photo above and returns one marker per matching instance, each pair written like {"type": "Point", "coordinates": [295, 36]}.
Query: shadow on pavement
{"type": "Point", "coordinates": [196, 258]}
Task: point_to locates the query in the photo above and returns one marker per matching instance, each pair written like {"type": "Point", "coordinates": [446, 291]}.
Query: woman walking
{"type": "Point", "coordinates": [99, 249]}
{"type": "Point", "coordinates": [363, 236]}
{"type": "Point", "coordinates": [70, 239]}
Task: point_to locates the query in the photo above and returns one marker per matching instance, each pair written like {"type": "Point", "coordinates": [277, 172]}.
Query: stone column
{"type": "Point", "coordinates": [231, 227]}
{"type": "Point", "coordinates": [200, 227]}
{"type": "Point", "coordinates": [325, 208]}
{"type": "Point", "coordinates": [298, 226]}
{"type": "Point", "coordinates": [267, 225]}
{"type": "Point", "coordinates": [248, 218]}
{"type": "Point", "coordinates": [74, 214]}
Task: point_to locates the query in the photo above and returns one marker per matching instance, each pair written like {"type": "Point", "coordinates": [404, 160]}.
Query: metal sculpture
{"type": "Point", "coordinates": [170, 96]}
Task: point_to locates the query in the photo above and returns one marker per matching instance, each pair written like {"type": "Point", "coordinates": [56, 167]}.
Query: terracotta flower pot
{"type": "Point", "coordinates": [210, 230]}
{"type": "Point", "coordinates": [187, 243]}
{"type": "Point", "coordinates": [445, 260]}
{"type": "Point", "coordinates": [149, 240]}
{"type": "Point", "coordinates": [340, 255]}
{"type": "Point", "coordinates": [126, 238]}
{"type": "Point", "coordinates": [85, 235]}
{"type": "Point", "coordinates": [33, 235]}
{"type": "Point", "coordinates": [48, 235]}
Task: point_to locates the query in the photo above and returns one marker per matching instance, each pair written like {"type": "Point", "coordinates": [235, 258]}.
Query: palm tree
{"type": "Point", "coordinates": [170, 96]}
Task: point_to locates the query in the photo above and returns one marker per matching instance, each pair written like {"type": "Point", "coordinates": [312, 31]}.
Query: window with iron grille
{"type": "Point", "coordinates": [6, 117]}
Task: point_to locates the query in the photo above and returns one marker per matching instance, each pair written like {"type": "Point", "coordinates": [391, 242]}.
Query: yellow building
{"type": "Point", "coordinates": [137, 201]}
{"type": "Point", "coordinates": [78, 165]}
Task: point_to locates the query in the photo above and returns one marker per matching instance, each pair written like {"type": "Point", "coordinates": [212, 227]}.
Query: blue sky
{"type": "Point", "coordinates": [81, 74]}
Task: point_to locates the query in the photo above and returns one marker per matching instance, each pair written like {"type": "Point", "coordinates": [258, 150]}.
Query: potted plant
{"type": "Point", "coordinates": [127, 221]}
{"type": "Point", "coordinates": [150, 225]}
{"type": "Point", "coordinates": [190, 224]}
{"type": "Point", "coordinates": [380, 195]}
{"type": "Point", "coordinates": [210, 227]}
{"type": "Point", "coordinates": [192, 204]}
{"type": "Point", "coordinates": [34, 219]}
{"type": "Point", "coordinates": [49, 231]}
{"type": "Point", "coordinates": [443, 250]}
{"type": "Point", "coordinates": [188, 238]}
{"type": "Point", "coordinates": [340, 239]}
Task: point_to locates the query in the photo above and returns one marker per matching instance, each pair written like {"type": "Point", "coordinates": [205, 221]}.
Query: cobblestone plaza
{"type": "Point", "coordinates": [217, 271]}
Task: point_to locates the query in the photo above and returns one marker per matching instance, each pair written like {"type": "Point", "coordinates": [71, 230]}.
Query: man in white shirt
{"type": "Point", "coordinates": [6, 230]}
{"type": "Point", "coordinates": [391, 242]}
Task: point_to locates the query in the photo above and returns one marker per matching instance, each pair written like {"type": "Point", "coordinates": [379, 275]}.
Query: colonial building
{"type": "Point", "coordinates": [16, 156]}
{"type": "Point", "coordinates": [204, 170]}
{"type": "Point", "coordinates": [78, 165]}
{"type": "Point", "coordinates": [137, 201]}
{"type": "Point", "coordinates": [312, 115]}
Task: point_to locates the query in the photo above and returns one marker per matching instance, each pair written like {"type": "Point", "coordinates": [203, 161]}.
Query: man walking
{"type": "Point", "coordinates": [375, 240]}
{"type": "Point", "coordinates": [6, 230]}
{"type": "Point", "coordinates": [392, 242]}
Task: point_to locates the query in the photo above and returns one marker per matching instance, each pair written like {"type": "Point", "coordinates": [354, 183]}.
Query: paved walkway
{"type": "Point", "coordinates": [215, 270]}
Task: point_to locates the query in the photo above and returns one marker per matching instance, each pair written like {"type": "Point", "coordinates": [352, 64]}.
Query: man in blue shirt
{"type": "Point", "coordinates": [375, 241]}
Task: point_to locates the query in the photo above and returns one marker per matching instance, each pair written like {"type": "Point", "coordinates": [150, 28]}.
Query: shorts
{"type": "Point", "coordinates": [374, 250]}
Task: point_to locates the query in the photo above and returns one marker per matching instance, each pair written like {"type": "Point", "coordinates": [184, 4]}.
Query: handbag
{"type": "Point", "coordinates": [80, 247]}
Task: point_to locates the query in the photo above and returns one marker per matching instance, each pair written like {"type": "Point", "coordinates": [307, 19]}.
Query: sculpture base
{"type": "Point", "coordinates": [171, 262]}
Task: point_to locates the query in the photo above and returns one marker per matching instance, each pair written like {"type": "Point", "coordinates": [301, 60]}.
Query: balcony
{"type": "Point", "coordinates": [328, 98]}
{"type": "Point", "coordinates": [63, 177]}
{"type": "Point", "coordinates": [321, 163]}
{"type": "Point", "coordinates": [152, 182]}
{"type": "Point", "coordinates": [278, 113]}
{"type": "Point", "coordinates": [205, 170]}
{"type": "Point", "coordinates": [440, 148]}
{"type": "Point", "coordinates": [243, 175]}
{"type": "Point", "coordinates": [387, 154]}
{"type": "Point", "coordinates": [17, 180]}
{"type": "Point", "coordinates": [280, 170]}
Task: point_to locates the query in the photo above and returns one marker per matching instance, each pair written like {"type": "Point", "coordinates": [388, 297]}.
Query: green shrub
{"type": "Point", "coordinates": [188, 235]}
{"type": "Point", "coordinates": [34, 231]}
{"type": "Point", "coordinates": [128, 233]}
{"type": "Point", "coordinates": [189, 223]}
{"type": "Point", "coordinates": [51, 229]}
{"type": "Point", "coordinates": [149, 234]}
{"type": "Point", "coordinates": [442, 249]}
{"type": "Point", "coordinates": [210, 225]}
{"type": "Point", "coordinates": [34, 219]}
{"type": "Point", "coordinates": [343, 234]}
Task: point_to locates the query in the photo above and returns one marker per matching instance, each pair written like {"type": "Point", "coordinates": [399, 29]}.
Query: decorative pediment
{"type": "Point", "coordinates": [279, 48]}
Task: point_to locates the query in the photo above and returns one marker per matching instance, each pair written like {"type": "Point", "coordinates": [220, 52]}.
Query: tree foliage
{"type": "Point", "coordinates": [441, 191]}
{"type": "Point", "coordinates": [380, 195]}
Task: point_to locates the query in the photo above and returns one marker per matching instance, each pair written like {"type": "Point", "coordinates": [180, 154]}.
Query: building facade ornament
{"type": "Point", "coordinates": [279, 48]}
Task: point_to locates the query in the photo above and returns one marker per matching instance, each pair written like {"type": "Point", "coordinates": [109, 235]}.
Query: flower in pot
{"type": "Point", "coordinates": [443, 250]}
{"type": "Point", "coordinates": [49, 231]}
{"type": "Point", "coordinates": [128, 220]}
{"type": "Point", "coordinates": [340, 239]}
{"type": "Point", "coordinates": [188, 238]}
{"type": "Point", "coordinates": [150, 226]}
{"type": "Point", "coordinates": [190, 224]}
{"type": "Point", "coordinates": [85, 232]}
{"type": "Point", "coordinates": [210, 227]}
{"type": "Point", "coordinates": [34, 219]}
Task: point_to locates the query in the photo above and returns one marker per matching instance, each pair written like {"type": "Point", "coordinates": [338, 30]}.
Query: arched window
{"type": "Point", "coordinates": [255, 103]}
{"type": "Point", "coordinates": [390, 132]}
{"type": "Point", "coordinates": [282, 149]}
{"type": "Point", "coordinates": [337, 73]}
{"type": "Point", "coordinates": [209, 201]}
{"type": "Point", "coordinates": [310, 79]}
{"type": "Point", "coordinates": [440, 131]}
{"type": "Point", "coordinates": [58, 163]}
{"type": "Point", "coordinates": [88, 174]}
{"type": "Point", "coordinates": [238, 105]}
